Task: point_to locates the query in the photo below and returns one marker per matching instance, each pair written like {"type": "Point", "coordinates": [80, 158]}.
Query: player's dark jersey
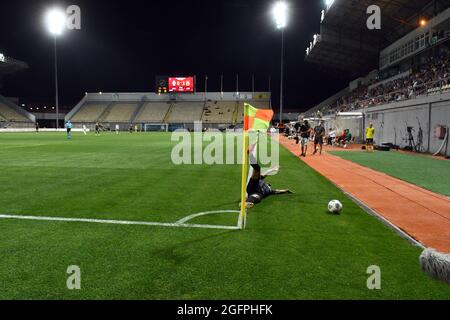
{"type": "Point", "coordinates": [259, 187]}
{"type": "Point", "coordinates": [304, 130]}
{"type": "Point", "coordinates": [319, 131]}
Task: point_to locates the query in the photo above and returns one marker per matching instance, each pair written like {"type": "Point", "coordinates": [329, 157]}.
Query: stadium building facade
{"type": "Point", "coordinates": [165, 111]}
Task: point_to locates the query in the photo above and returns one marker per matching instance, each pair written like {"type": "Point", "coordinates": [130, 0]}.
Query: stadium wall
{"type": "Point", "coordinates": [354, 124]}
{"type": "Point", "coordinates": [428, 112]}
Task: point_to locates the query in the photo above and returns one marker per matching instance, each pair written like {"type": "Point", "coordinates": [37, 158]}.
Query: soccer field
{"type": "Point", "coordinates": [421, 170]}
{"type": "Point", "coordinates": [292, 248]}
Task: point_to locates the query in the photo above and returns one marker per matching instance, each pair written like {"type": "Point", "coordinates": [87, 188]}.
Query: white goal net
{"type": "Point", "coordinates": [156, 127]}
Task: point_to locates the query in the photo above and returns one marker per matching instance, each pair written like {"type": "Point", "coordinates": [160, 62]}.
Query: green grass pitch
{"type": "Point", "coordinates": [423, 171]}
{"type": "Point", "coordinates": [292, 249]}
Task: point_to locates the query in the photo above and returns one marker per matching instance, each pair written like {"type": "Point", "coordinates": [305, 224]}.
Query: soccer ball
{"type": "Point", "coordinates": [335, 206]}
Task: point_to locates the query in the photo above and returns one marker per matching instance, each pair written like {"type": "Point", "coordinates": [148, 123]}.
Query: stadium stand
{"type": "Point", "coordinates": [11, 116]}
{"type": "Point", "coordinates": [89, 112]}
{"type": "Point", "coordinates": [407, 96]}
{"type": "Point", "coordinates": [153, 112]}
{"type": "Point", "coordinates": [216, 110]}
{"type": "Point", "coordinates": [119, 112]}
{"type": "Point", "coordinates": [185, 112]}
{"type": "Point", "coordinates": [431, 77]}
{"type": "Point", "coordinates": [414, 64]}
{"type": "Point", "coordinates": [222, 112]}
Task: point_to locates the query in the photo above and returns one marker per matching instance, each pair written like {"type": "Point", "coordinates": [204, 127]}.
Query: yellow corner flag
{"type": "Point", "coordinates": [256, 120]}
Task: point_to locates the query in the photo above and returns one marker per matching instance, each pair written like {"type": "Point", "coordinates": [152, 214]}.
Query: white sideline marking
{"type": "Point", "coordinates": [120, 222]}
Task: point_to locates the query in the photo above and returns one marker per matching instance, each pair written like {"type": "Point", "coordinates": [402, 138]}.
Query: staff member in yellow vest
{"type": "Point", "coordinates": [370, 133]}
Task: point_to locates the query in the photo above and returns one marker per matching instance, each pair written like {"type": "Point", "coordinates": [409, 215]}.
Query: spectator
{"type": "Point", "coordinates": [331, 137]}
{"type": "Point", "coordinates": [319, 134]}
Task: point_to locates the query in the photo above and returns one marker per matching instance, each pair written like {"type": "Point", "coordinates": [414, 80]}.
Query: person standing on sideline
{"type": "Point", "coordinates": [319, 134]}
{"type": "Point", "coordinates": [305, 132]}
{"type": "Point", "coordinates": [37, 127]}
{"type": "Point", "coordinates": [370, 134]}
{"type": "Point", "coordinates": [117, 129]}
{"type": "Point", "coordinates": [331, 137]}
{"type": "Point", "coordinates": [69, 127]}
{"type": "Point", "coordinates": [97, 129]}
{"type": "Point", "coordinates": [84, 129]}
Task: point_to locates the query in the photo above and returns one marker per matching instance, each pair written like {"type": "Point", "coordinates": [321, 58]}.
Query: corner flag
{"type": "Point", "coordinates": [254, 120]}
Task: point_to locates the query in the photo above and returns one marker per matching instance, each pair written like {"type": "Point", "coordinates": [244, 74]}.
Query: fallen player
{"type": "Point", "coordinates": [258, 188]}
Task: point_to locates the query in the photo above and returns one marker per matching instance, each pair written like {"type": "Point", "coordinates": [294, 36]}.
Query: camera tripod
{"type": "Point", "coordinates": [414, 144]}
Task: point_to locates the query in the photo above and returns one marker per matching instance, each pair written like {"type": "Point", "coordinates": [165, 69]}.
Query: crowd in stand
{"type": "Point", "coordinates": [435, 73]}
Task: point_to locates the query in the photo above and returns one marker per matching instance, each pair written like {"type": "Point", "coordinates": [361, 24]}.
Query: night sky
{"type": "Point", "coordinates": [124, 44]}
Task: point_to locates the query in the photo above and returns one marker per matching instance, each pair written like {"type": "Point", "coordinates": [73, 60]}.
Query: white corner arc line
{"type": "Point", "coordinates": [118, 222]}
{"type": "Point", "coordinates": [196, 215]}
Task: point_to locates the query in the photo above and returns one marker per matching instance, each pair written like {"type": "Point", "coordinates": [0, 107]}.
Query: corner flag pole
{"type": "Point", "coordinates": [243, 215]}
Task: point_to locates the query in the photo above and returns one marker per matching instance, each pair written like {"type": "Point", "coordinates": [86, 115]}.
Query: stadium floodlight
{"type": "Point", "coordinates": [329, 3]}
{"type": "Point", "coordinates": [280, 14]}
{"type": "Point", "coordinates": [55, 20]}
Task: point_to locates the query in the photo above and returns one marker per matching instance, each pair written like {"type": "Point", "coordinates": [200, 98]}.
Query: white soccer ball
{"type": "Point", "coordinates": [335, 206]}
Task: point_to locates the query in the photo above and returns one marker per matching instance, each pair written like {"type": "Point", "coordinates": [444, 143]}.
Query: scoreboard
{"type": "Point", "coordinates": [182, 84]}
{"type": "Point", "coordinates": [175, 85]}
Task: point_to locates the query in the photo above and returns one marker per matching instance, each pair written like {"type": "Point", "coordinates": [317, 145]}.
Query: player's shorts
{"type": "Point", "coordinates": [318, 140]}
{"type": "Point", "coordinates": [68, 130]}
{"type": "Point", "coordinates": [253, 186]}
{"type": "Point", "coordinates": [369, 141]}
{"type": "Point", "coordinates": [304, 141]}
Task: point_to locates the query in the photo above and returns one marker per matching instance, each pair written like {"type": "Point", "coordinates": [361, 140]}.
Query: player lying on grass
{"type": "Point", "coordinates": [258, 188]}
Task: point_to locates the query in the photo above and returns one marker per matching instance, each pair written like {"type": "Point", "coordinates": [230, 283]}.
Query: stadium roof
{"type": "Point", "coordinates": [9, 65]}
{"type": "Point", "coordinates": [347, 44]}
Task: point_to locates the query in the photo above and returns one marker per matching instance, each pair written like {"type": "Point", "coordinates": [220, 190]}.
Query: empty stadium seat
{"type": "Point", "coordinates": [120, 112]}
{"type": "Point", "coordinates": [153, 112]}
{"type": "Point", "coordinates": [10, 114]}
{"type": "Point", "coordinates": [219, 112]}
{"type": "Point", "coordinates": [185, 112]}
{"type": "Point", "coordinates": [90, 112]}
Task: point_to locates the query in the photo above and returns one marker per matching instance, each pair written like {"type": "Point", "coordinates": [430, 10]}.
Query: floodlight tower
{"type": "Point", "coordinates": [55, 20]}
{"type": "Point", "coordinates": [280, 14]}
